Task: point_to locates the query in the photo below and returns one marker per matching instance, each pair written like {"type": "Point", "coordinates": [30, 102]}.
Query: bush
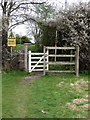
{"type": "Point", "coordinates": [25, 39]}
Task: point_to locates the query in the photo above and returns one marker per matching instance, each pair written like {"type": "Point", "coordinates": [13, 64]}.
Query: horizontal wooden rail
{"type": "Point", "coordinates": [38, 69]}
{"type": "Point", "coordinates": [61, 63]}
{"type": "Point", "coordinates": [38, 53]}
{"type": "Point", "coordinates": [39, 66]}
{"type": "Point", "coordinates": [67, 71]}
{"type": "Point", "coordinates": [63, 48]}
{"type": "Point", "coordinates": [36, 58]}
{"type": "Point", "coordinates": [36, 62]}
{"type": "Point", "coordinates": [61, 55]}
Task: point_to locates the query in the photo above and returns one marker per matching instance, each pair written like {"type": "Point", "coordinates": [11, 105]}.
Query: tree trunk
{"type": "Point", "coordinates": [5, 49]}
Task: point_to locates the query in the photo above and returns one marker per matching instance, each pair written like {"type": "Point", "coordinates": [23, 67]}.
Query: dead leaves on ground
{"type": "Point", "coordinates": [80, 88]}
{"type": "Point", "coordinates": [44, 112]}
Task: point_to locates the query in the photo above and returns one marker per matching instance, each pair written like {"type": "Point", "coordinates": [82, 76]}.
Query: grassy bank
{"type": "Point", "coordinates": [0, 95]}
{"type": "Point", "coordinates": [20, 46]}
{"type": "Point", "coordinates": [61, 96]}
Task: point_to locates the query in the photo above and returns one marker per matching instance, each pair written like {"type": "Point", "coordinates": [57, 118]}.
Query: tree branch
{"type": "Point", "coordinates": [26, 4]}
{"type": "Point", "coordinates": [18, 23]}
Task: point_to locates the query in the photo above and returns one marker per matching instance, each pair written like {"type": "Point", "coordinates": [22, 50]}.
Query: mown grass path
{"type": "Point", "coordinates": [61, 96]}
{"type": "Point", "coordinates": [22, 99]}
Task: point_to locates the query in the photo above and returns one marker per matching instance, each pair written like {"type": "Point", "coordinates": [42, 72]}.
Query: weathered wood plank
{"type": "Point", "coordinates": [62, 63]}
{"type": "Point", "coordinates": [25, 58]}
{"type": "Point", "coordinates": [37, 53]}
{"type": "Point", "coordinates": [37, 57]}
{"type": "Point", "coordinates": [38, 70]}
{"type": "Point", "coordinates": [77, 61]}
{"type": "Point", "coordinates": [47, 59]}
{"type": "Point", "coordinates": [29, 61]}
{"type": "Point", "coordinates": [37, 61]}
{"type": "Point", "coordinates": [61, 55]}
{"type": "Point", "coordinates": [38, 66]}
{"type": "Point", "coordinates": [60, 71]}
{"type": "Point", "coordinates": [63, 48]}
{"type": "Point", "coordinates": [44, 50]}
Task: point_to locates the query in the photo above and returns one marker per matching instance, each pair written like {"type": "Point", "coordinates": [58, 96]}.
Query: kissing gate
{"type": "Point", "coordinates": [53, 56]}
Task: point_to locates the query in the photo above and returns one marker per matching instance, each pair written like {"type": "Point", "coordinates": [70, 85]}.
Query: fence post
{"type": "Point", "coordinates": [77, 61]}
{"type": "Point", "coordinates": [47, 59]}
{"type": "Point", "coordinates": [26, 49]}
{"type": "Point", "coordinates": [29, 61]}
{"type": "Point", "coordinates": [44, 64]}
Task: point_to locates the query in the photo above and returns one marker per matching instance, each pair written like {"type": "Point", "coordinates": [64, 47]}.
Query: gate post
{"type": "Point", "coordinates": [29, 61]}
{"type": "Point", "coordinates": [77, 61]}
{"type": "Point", "coordinates": [47, 59]}
{"type": "Point", "coordinates": [25, 62]}
{"type": "Point", "coordinates": [44, 64]}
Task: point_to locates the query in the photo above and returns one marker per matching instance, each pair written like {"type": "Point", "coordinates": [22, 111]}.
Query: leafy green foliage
{"type": "Point", "coordinates": [25, 39]}
{"type": "Point", "coordinates": [18, 39]}
{"type": "Point", "coordinates": [72, 28]}
{"type": "Point", "coordinates": [21, 40]}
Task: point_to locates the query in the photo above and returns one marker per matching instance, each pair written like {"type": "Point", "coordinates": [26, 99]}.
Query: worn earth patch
{"type": "Point", "coordinates": [32, 77]}
{"type": "Point", "coordinates": [80, 103]}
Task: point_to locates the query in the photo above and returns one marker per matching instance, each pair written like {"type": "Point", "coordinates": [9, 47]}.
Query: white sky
{"type": "Point", "coordinates": [21, 29]}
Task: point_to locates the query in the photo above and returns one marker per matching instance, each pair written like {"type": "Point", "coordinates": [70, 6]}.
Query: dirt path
{"type": "Point", "coordinates": [32, 77]}
{"type": "Point", "coordinates": [22, 93]}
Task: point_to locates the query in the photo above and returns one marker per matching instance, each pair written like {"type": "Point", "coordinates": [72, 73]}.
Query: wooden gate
{"type": "Point", "coordinates": [41, 61]}
{"type": "Point", "coordinates": [36, 61]}
{"type": "Point", "coordinates": [73, 53]}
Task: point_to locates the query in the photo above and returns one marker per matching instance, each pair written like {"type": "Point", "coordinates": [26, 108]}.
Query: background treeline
{"type": "Point", "coordinates": [72, 28]}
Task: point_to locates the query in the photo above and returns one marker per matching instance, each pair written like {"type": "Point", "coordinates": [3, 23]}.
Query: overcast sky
{"type": "Point", "coordinates": [21, 29]}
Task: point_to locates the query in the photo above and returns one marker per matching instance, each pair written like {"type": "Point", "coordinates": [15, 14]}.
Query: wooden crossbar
{"type": "Point", "coordinates": [61, 55]}
{"type": "Point", "coordinates": [67, 71]}
{"type": "Point", "coordinates": [59, 48]}
{"type": "Point", "coordinates": [61, 63]}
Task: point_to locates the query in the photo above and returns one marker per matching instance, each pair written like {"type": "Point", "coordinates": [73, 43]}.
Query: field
{"type": "Point", "coordinates": [0, 95]}
{"type": "Point", "coordinates": [20, 46]}
{"type": "Point", "coordinates": [50, 96]}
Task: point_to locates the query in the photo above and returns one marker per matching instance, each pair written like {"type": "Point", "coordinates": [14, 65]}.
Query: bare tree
{"type": "Point", "coordinates": [17, 12]}
{"type": "Point", "coordinates": [14, 12]}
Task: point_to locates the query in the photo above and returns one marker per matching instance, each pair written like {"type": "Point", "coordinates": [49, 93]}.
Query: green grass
{"type": "Point", "coordinates": [30, 99]}
{"type": "Point", "coordinates": [33, 48]}
{"type": "Point", "coordinates": [61, 67]}
{"type": "Point", "coordinates": [0, 95]}
{"type": "Point", "coordinates": [20, 46]}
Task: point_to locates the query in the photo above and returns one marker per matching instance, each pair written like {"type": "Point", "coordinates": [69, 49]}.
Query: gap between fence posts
{"type": "Point", "coordinates": [77, 61]}
{"type": "Point", "coordinates": [44, 50]}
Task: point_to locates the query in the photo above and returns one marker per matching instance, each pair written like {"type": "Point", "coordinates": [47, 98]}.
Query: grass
{"type": "Point", "coordinates": [33, 48]}
{"type": "Point", "coordinates": [20, 46]}
{"type": "Point", "coordinates": [45, 97]}
{"type": "Point", "coordinates": [0, 95]}
{"type": "Point", "coordinates": [61, 67]}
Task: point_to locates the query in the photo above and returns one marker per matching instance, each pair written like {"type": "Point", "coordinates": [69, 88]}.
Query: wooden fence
{"type": "Point", "coordinates": [55, 55]}
{"type": "Point", "coordinates": [41, 61]}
